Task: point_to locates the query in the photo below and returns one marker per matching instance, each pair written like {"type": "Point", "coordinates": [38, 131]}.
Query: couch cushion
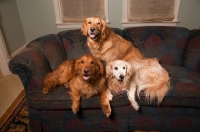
{"type": "Point", "coordinates": [51, 47]}
{"type": "Point", "coordinates": [184, 89]}
{"type": "Point", "coordinates": [184, 92]}
{"type": "Point", "coordinates": [165, 43]}
{"type": "Point", "coordinates": [192, 53]}
{"type": "Point", "coordinates": [59, 98]}
{"type": "Point", "coordinates": [75, 44]}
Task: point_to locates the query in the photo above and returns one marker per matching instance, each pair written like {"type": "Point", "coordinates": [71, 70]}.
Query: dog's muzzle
{"type": "Point", "coordinates": [121, 78]}
{"type": "Point", "coordinates": [93, 33]}
{"type": "Point", "coordinates": [85, 74]}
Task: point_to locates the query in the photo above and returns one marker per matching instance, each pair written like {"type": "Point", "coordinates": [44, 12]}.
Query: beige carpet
{"type": "Point", "coordinates": [10, 88]}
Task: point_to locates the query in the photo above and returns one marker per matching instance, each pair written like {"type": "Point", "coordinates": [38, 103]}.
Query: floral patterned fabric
{"type": "Point", "coordinates": [192, 54]}
{"type": "Point", "coordinates": [177, 49]}
{"type": "Point", "coordinates": [165, 43]}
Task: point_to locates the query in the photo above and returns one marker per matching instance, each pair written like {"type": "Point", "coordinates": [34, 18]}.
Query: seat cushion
{"type": "Point", "coordinates": [184, 89]}
{"type": "Point", "coordinates": [165, 43]}
{"type": "Point", "coordinates": [59, 98]}
{"type": "Point", "coordinates": [184, 92]}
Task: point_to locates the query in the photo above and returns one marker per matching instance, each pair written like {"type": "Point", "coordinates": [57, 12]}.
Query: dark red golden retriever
{"type": "Point", "coordinates": [84, 76]}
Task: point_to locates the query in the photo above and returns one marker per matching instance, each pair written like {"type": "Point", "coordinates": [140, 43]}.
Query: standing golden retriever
{"type": "Point", "coordinates": [108, 46]}
{"type": "Point", "coordinates": [84, 76]}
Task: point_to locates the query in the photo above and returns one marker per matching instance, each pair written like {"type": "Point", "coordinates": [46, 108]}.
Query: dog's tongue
{"type": "Point", "coordinates": [86, 77]}
{"type": "Point", "coordinates": [92, 35]}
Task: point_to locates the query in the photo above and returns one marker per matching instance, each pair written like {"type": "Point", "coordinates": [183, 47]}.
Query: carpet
{"type": "Point", "coordinates": [18, 120]}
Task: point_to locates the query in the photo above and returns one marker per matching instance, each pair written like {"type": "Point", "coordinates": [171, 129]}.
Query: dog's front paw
{"type": "Point", "coordinates": [106, 110]}
{"type": "Point", "coordinates": [66, 85]}
{"type": "Point", "coordinates": [45, 90]}
{"type": "Point", "coordinates": [75, 109]}
{"type": "Point", "coordinates": [110, 96]}
{"type": "Point", "coordinates": [135, 106]}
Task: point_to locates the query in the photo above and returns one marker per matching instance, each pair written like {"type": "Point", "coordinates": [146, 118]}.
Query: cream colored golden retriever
{"type": "Point", "coordinates": [108, 46]}
{"type": "Point", "coordinates": [142, 75]}
{"type": "Point", "coordinates": [84, 76]}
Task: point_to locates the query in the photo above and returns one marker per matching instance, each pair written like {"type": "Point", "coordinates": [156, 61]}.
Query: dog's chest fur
{"type": "Point", "coordinates": [107, 49]}
{"type": "Point", "coordinates": [88, 88]}
{"type": "Point", "coordinates": [115, 85]}
{"type": "Point", "coordinates": [103, 52]}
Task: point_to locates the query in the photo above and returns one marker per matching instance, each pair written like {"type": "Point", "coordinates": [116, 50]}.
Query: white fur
{"type": "Point", "coordinates": [119, 68]}
{"type": "Point", "coordinates": [142, 75]}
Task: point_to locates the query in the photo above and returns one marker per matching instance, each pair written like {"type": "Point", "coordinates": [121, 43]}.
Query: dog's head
{"type": "Point", "coordinates": [118, 69]}
{"type": "Point", "coordinates": [94, 28]}
{"type": "Point", "coordinates": [88, 67]}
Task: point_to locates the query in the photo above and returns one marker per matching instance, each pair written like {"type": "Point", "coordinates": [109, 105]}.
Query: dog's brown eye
{"type": "Point", "coordinates": [124, 67]}
{"type": "Point", "coordinates": [89, 22]}
{"type": "Point", "coordinates": [92, 62]}
{"type": "Point", "coordinates": [116, 68]}
{"type": "Point", "coordinates": [98, 23]}
{"type": "Point", "coordinates": [82, 61]}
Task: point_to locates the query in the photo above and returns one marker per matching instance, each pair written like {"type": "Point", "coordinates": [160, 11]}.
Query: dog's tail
{"type": "Point", "coordinates": [155, 83]}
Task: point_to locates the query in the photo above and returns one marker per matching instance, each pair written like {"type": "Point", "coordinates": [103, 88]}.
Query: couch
{"type": "Point", "coordinates": [178, 50]}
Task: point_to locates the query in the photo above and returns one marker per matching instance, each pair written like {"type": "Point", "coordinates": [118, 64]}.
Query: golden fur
{"type": "Point", "coordinates": [108, 46]}
{"type": "Point", "coordinates": [84, 76]}
{"type": "Point", "coordinates": [142, 75]}
{"type": "Point", "coordinates": [120, 77]}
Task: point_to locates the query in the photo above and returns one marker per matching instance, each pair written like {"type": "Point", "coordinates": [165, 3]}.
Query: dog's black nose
{"type": "Point", "coordinates": [121, 77]}
{"type": "Point", "coordinates": [86, 70]}
{"type": "Point", "coordinates": [92, 29]}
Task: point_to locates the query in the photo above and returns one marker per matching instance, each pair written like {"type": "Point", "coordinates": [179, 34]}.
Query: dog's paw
{"type": "Point", "coordinates": [75, 109]}
{"type": "Point", "coordinates": [66, 85]}
{"type": "Point", "coordinates": [45, 90]}
{"type": "Point", "coordinates": [110, 96]}
{"type": "Point", "coordinates": [106, 110]}
{"type": "Point", "coordinates": [135, 106]}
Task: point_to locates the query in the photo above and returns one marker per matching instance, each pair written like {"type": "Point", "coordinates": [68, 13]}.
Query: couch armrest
{"type": "Point", "coordinates": [31, 66]}
{"type": "Point", "coordinates": [192, 52]}
{"type": "Point", "coordinates": [40, 57]}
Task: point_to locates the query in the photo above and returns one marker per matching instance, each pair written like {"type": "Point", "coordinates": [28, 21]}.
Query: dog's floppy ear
{"type": "Point", "coordinates": [101, 67]}
{"type": "Point", "coordinates": [84, 27]}
{"type": "Point", "coordinates": [76, 70]}
{"type": "Point", "coordinates": [109, 69]}
{"type": "Point", "coordinates": [129, 69]}
{"type": "Point", "coordinates": [105, 30]}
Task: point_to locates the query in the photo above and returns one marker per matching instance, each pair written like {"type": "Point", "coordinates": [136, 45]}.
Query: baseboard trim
{"type": "Point", "coordinates": [12, 107]}
{"type": "Point", "coordinates": [18, 51]}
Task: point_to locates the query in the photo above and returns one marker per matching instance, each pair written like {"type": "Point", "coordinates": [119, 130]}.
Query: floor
{"type": "Point", "coordinates": [11, 91]}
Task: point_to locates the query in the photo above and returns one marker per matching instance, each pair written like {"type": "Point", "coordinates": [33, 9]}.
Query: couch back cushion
{"type": "Point", "coordinates": [192, 52]}
{"type": "Point", "coordinates": [165, 43]}
{"type": "Point", "coordinates": [75, 44]}
{"type": "Point", "coordinates": [51, 47]}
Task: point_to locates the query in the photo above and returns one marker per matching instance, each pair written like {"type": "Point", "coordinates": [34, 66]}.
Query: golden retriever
{"type": "Point", "coordinates": [120, 77]}
{"type": "Point", "coordinates": [84, 76]}
{"type": "Point", "coordinates": [144, 75]}
{"type": "Point", "coordinates": [108, 46]}
{"type": "Point", "coordinates": [105, 44]}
